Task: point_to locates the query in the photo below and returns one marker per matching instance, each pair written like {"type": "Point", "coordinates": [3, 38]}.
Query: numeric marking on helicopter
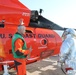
{"type": "Point", "coordinates": [25, 14]}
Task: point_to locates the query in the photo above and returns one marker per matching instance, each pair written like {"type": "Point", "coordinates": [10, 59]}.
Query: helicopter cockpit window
{"type": "Point", "coordinates": [1, 25]}
{"type": "Point", "coordinates": [28, 31]}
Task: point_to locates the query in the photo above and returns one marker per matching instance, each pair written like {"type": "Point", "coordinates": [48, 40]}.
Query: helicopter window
{"type": "Point", "coordinates": [1, 25]}
{"type": "Point", "coordinates": [28, 31]}
{"type": "Point", "coordinates": [44, 42]}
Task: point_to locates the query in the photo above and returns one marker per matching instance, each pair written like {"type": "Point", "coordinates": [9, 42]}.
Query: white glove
{"type": "Point", "coordinates": [62, 60]}
{"type": "Point", "coordinates": [59, 64]}
{"type": "Point", "coordinates": [30, 48]}
{"type": "Point", "coordinates": [71, 72]}
{"type": "Point", "coordinates": [28, 56]}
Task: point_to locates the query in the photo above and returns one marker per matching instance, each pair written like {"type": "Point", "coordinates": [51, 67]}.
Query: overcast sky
{"type": "Point", "coordinates": [61, 12]}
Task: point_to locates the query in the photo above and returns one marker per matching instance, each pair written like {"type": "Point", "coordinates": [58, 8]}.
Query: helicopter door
{"type": "Point", "coordinates": [30, 38]}
{"type": "Point", "coordinates": [46, 42]}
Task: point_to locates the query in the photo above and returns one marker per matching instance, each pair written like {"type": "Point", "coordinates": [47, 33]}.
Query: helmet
{"type": "Point", "coordinates": [70, 31]}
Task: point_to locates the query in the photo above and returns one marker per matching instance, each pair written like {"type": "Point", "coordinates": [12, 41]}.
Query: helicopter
{"type": "Point", "coordinates": [40, 34]}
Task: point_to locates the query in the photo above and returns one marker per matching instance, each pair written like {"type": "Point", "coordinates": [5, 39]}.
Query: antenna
{"type": "Point", "coordinates": [40, 11]}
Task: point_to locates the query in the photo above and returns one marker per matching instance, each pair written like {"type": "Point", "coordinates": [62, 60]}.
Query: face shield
{"type": "Point", "coordinates": [64, 35]}
{"type": "Point", "coordinates": [69, 31]}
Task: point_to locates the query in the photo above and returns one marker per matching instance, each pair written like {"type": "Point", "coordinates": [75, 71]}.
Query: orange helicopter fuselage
{"type": "Point", "coordinates": [44, 42]}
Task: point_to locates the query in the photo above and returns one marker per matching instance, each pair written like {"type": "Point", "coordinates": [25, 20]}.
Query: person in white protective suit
{"type": "Point", "coordinates": [68, 51]}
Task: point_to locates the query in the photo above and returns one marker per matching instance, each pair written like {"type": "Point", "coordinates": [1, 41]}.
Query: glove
{"type": "Point", "coordinates": [71, 72]}
{"type": "Point", "coordinates": [59, 64]}
{"type": "Point", "coordinates": [30, 49]}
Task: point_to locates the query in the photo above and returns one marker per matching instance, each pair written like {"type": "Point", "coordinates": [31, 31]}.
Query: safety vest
{"type": "Point", "coordinates": [15, 37]}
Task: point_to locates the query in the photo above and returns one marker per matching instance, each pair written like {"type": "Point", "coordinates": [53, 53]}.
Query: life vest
{"type": "Point", "coordinates": [15, 37]}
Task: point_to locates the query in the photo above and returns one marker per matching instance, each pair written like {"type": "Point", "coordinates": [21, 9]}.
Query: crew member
{"type": "Point", "coordinates": [68, 51]}
{"type": "Point", "coordinates": [19, 50]}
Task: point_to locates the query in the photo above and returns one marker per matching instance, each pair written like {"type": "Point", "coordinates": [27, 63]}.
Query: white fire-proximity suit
{"type": "Point", "coordinates": [68, 50]}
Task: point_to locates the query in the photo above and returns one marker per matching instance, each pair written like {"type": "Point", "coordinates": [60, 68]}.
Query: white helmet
{"type": "Point", "coordinates": [71, 31]}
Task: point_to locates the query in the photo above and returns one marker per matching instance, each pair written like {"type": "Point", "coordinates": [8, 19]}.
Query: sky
{"type": "Point", "coordinates": [61, 12]}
